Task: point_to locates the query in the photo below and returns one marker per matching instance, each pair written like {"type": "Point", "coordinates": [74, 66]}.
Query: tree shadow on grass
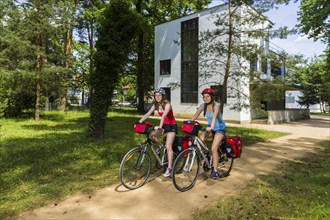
{"type": "Point", "coordinates": [64, 161]}
{"type": "Point", "coordinates": [294, 185]}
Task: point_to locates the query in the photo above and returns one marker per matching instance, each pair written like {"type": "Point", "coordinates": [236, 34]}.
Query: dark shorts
{"type": "Point", "coordinates": [170, 128]}
{"type": "Point", "coordinates": [219, 131]}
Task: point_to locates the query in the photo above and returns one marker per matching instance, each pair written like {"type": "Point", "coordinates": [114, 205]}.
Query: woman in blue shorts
{"type": "Point", "coordinates": [216, 126]}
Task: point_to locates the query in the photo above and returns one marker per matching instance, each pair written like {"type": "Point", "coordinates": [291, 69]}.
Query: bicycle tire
{"type": "Point", "coordinates": [135, 168]}
{"type": "Point", "coordinates": [226, 162]}
{"type": "Point", "coordinates": [185, 170]}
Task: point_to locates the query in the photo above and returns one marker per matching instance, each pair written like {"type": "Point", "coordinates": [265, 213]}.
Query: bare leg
{"type": "Point", "coordinates": [204, 136]}
{"type": "Point", "coordinates": [156, 134]}
{"type": "Point", "coordinates": [215, 144]}
{"type": "Point", "coordinates": [169, 143]}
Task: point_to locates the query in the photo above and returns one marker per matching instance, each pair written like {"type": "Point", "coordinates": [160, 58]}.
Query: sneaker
{"type": "Point", "coordinates": [214, 175]}
{"type": "Point", "coordinates": [186, 169]}
{"type": "Point", "coordinates": [168, 172]}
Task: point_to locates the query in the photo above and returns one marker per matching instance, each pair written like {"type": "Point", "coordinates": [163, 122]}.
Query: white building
{"type": "Point", "coordinates": [180, 68]}
{"type": "Point", "coordinates": [292, 98]}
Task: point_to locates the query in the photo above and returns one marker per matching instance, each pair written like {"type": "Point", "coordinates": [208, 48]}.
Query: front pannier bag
{"type": "Point", "coordinates": [234, 146]}
{"type": "Point", "coordinates": [142, 128]}
{"type": "Point", "coordinates": [191, 127]}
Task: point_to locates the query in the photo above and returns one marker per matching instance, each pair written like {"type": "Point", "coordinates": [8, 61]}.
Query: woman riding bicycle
{"type": "Point", "coordinates": [167, 124]}
{"type": "Point", "coordinates": [216, 126]}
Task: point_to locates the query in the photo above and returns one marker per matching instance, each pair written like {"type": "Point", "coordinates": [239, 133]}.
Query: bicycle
{"type": "Point", "coordinates": [136, 164]}
{"type": "Point", "coordinates": [187, 164]}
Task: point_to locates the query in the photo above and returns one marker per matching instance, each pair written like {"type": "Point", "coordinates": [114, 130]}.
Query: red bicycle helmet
{"type": "Point", "coordinates": [208, 91]}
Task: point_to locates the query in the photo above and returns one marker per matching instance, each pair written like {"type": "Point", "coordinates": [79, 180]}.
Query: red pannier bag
{"type": "Point", "coordinates": [180, 143]}
{"type": "Point", "coordinates": [191, 127]}
{"type": "Point", "coordinates": [142, 128]}
{"type": "Point", "coordinates": [236, 145]}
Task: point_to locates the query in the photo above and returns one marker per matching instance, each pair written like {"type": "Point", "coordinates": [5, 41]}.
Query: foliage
{"type": "Point", "coordinates": [44, 162]}
{"type": "Point", "coordinates": [16, 92]}
{"type": "Point", "coordinates": [314, 19]}
{"type": "Point", "coordinates": [31, 50]}
{"type": "Point", "coordinates": [88, 13]}
{"type": "Point", "coordinates": [16, 52]}
{"type": "Point", "coordinates": [115, 33]}
{"type": "Point", "coordinates": [126, 88]}
{"type": "Point", "coordinates": [314, 81]}
{"type": "Point", "coordinates": [266, 94]}
{"type": "Point", "coordinates": [298, 189]}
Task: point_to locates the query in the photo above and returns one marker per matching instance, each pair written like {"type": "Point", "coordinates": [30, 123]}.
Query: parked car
{"type": "Point", "coordinates": [124, 104]}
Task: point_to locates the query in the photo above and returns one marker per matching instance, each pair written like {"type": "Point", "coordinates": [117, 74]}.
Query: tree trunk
{"type": "Point", "coordinates": [44, 64]}
{"type": "Point", "coordinates": [46, 102]}
{"type": "Point", "coordinates": [140, 74]}
{"type": "Point", "coordinates": [228, 63]}
{"type": "Point", "coordinates": [38, 70]}
{"type": "Point", "coordinates": [90, 32]}
{"type": "Point", "coordinates": [38, 66]}
{"type": "Point", "coordinates": [68, 54]}
{"type": "Point", "coordinates": [68, 51]}
{"type": "Point", "coordinates": [140, 84]}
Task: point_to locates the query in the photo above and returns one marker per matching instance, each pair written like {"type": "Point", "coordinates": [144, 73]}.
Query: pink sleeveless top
{"type": "Point", "coordinates": [169, 119]}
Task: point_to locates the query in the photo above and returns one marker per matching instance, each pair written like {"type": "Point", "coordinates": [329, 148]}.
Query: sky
{"type": "Point", "coordinates": [286, 15]}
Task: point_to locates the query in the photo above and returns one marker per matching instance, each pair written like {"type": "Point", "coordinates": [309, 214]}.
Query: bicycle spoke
{"type": "Point", "coordinates": [135, 168]}
{"type": "Point", "coordinates": [185, 170]}
{"type": "Point", "coordinates": [225, 164]}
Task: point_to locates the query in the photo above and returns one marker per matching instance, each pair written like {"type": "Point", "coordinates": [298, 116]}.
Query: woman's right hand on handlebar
{"type": "Point", "coordinates": [157, 128]}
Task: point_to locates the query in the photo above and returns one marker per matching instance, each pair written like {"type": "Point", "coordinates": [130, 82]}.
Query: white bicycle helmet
{"type": "Point", "coordinates": [160, 90]}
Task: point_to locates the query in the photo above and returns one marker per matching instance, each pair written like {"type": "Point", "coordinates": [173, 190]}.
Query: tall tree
{"type": "Point", "coordinates": [42, 28]}
{"type": "Point", "coordinates": [314, 82]}
{"type": "Point", "coordinates": [68, 12]}
{"type": "Point", "coordinates": [17, 73]}
{"type": "Point", "coordinates": [116, 31]}
{"type": "Point", "coordinates": [88, 14]}
{"type": "Point", "coordinates": [227, 50]}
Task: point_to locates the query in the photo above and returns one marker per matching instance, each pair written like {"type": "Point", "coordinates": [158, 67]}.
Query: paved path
{"type": "Point", "coordinates": [158, 199]}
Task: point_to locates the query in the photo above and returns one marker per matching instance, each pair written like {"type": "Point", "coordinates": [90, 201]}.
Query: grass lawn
{"type": "Point", "coordinates": [297, 190]}
{"type": "Point", "coordinates": [322, 114]}
{"type": "Point", "coordinates": [43, 162]}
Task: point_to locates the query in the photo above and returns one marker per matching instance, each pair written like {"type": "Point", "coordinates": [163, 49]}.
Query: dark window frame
{"type": "Point", "coordinates": [189, 60]}
{"type": "Point", "coordinates": [165, 67]}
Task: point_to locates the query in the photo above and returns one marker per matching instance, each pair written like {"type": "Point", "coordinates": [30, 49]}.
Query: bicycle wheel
{"type": "Point", "coordinates": [226, 162]}
{"type": "Point", "coordinates": [185, 170]}
{"type": "Point", "coordinates": [135, 168]}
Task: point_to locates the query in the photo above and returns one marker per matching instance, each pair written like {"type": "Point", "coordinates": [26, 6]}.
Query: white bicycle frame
{"type": "Point", "coordinates": [197, 146]}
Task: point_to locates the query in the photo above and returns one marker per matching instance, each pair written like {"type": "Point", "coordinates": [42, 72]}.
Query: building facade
{"type": "Point", "coordinates": [184, 71]}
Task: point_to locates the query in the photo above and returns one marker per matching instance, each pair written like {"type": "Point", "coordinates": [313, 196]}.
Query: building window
{"type": "Point", "coordinates": [264, 65]}
{"type": "Point", "coordinates": [189, 61]}
{"type": "Point", "coordinates": [253, 63]}
{"type": "Point", "coordinates": [275, 68]}
{"type": "Point", "coordinates": [165, 67]}
{"type": "Point", "coordinates": [289, 99]}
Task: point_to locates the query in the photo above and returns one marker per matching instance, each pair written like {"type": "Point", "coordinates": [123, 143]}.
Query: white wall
{"type": "Point", "coordinates": [294, 95]}
{"type": "Point", "coordinates": [167, 46]}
